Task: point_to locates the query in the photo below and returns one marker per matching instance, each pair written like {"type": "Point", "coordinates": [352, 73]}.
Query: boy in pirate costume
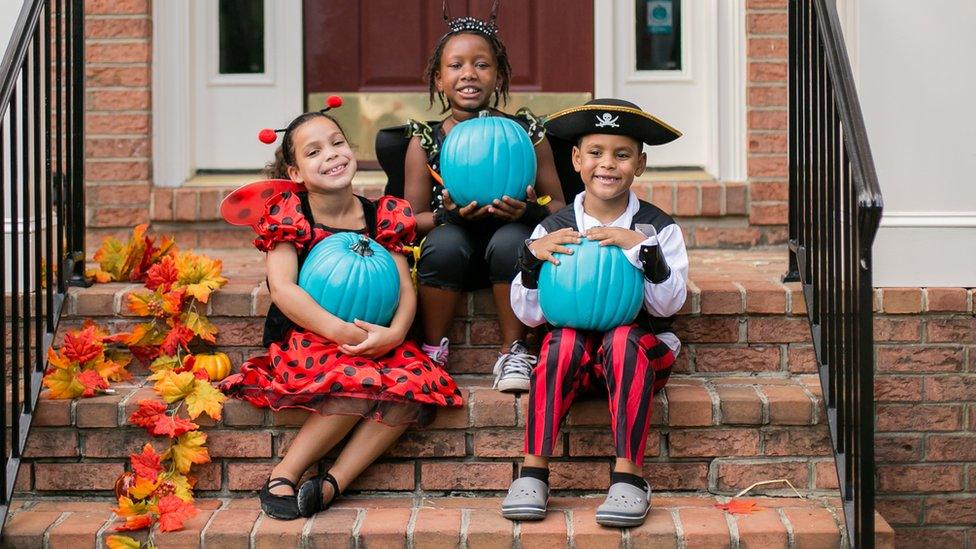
{"type": "Point", "coordinates": [632, 361]}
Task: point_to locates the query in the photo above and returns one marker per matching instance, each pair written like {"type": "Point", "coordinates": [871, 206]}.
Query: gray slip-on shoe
{"type": "Point", "coordinates": [526, 500]}
{"type": "Point", "coordinates": [626, 505]}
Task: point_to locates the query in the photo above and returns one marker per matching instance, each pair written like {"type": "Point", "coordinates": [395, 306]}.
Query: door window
{"type": "Point", "coordinates": [658, 35]}
{"type": "Point", "coordinates": [241, 29]}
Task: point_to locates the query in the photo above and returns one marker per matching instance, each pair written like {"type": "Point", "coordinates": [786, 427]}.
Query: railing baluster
{"type": "Point", "coordinates": [3, 313]}
{"type": "Point", "coordinates": [835, 208]}
{"type": "Point", "coordinates": [59, 194]}
{"type": "Point", "coordinates": [24, 272]}
{"type": "Point", "coordinates": [38, 313]}
{"type": "Point", "coordinates": [14, 285]}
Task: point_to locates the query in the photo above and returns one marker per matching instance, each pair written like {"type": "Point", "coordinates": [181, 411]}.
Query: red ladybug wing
{"type": "Point", "coordinates": [245, 205]}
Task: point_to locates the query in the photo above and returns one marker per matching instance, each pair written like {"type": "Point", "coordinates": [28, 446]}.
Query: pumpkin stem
{"type": "Point", "coordinates": [361, 247]}
{"type": "Point", "coordinates": [484, 114]}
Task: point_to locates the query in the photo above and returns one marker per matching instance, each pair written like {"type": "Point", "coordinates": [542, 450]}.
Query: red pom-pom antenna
{"type": "Point", "coordinates": [267, 136]}
{"type": "Point", "coordinates": [333, 101]}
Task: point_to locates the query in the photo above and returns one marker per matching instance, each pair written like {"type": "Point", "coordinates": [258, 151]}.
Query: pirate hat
{"type": "Point", "coordinates": [611, 116]}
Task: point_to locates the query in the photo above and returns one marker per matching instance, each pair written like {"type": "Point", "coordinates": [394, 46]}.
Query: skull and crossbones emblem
{"type": "Point", "coordinates": [607, 120]}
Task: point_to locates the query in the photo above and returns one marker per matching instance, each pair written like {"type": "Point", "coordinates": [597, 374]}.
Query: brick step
{"type": "Point", "coordinates": [674, 521]}
{"type": "Point", "coordinates": [717, 435]}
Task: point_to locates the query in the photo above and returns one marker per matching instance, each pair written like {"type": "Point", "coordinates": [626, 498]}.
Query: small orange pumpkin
{"type": "Point", "coordinates": [217, 365]}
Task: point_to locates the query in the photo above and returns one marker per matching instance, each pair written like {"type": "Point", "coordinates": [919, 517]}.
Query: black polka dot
{"type": "Point", "coordinates": [443, 382]}
{"type": "Point", "coordinates": [425, 389]}
{"type": "Point", "coordinates": [309, 364]}
{"type": "Point", "coordinates": [384, 224]}
{"type": "Point", "coordinates": [273, 227]}
{"type": "Point", "coordinates": [286, 194]}
{"type": "Point", "coordinates": [323, 358]}
{"type": "Point", "coordinates": [367, 382]}
{"type": "Point", "coordinates": [284, 347]}
{"type": "Point", "coordinates": [457, 391]}
{"type": "Point", "coordinates": [319, 378]}
{"type": "Point", "coordinates": [276, 361]}
{"type": "Point", "coordinates": [416, 371]}
{"type": "Point", "coordinates": [399, 227]}
{"type": "Point", "coordinates": [336, 387]}
{"type": "Point", "coordinates": [284, 377]}
{"type": "Point", "coordinates": [407, 211]}
{"type": "Point", "coordinates": [274, 209]}
{"type": "Point", "coordinates": [299, 376]}
{"type": "Point", "coordinates": [349, 371]}
{"type": "Point", "coordinates": [401, 379]}
{"type": "Point", "coordinates": [287, 221]}
{"type": "Point", "coordinates": [409, 395]}
{"type": "Point", "coordinates": [390, 205]}
{"type": "Point", "coordinates": [408, 354]}
{"type": "Point", "coordinates": [360, 363]}
{"type": "Point", "coordinates": [306, 343]}
{"type": "Point", "coordinates": [384, 371]}
{"type": "Point", "coordinates": [300, 232]}
{"type": "Point", "coordinates": [449, 400]}
{"type": "Point", "coordinates": [292, 363]}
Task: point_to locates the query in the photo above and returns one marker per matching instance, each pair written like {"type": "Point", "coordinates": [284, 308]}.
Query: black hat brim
{"type": "Point", "coordinates": [572, 123]}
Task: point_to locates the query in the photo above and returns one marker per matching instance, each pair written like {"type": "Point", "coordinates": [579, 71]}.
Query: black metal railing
{"type": "Point", "coordinates": [43, 203]}
{"type": "Point", "coordinates": [835, 208]}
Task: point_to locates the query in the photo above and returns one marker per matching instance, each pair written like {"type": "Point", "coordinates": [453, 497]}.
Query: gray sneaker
{"type": "Point", "coordinates": [626, 506]}
{"type": "Point", "coordinates": [513, 369]}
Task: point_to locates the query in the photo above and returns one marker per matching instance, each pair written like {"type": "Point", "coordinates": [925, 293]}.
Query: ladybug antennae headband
{"type": "Point", "coordinates": [269, 136]}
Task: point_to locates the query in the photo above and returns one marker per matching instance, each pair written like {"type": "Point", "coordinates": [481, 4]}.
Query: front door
{"type": "Point", "coordinates": [664, 58]}
{"type": "Point", "coordinates": [247, 75]}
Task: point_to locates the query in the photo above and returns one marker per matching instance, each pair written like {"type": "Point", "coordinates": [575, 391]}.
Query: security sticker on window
{"type": "Point", "coordinates": [659, 17]}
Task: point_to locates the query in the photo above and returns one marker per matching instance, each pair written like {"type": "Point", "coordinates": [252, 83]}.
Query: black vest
{"type": "Point", "coordinates": [647, 214]}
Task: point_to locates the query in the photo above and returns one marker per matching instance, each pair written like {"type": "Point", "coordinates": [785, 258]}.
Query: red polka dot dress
{"type": "Point", "coordinates": [305, 370]}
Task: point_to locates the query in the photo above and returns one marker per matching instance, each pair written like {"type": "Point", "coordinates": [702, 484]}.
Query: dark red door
{"type": "Point", "coordinates": [382, 45]}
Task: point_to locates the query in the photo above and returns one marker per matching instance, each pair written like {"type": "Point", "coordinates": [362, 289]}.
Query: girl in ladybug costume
{"type": "Point", "coordinates": [357, 378]}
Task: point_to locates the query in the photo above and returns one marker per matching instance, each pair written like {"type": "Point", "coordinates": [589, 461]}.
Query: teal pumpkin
{"type": "Point", "coordinates": [594, 288]}
{"type": "Point", "coordinates": [486, 158]}
{"type": "Point", "coordinates": [352, 277]}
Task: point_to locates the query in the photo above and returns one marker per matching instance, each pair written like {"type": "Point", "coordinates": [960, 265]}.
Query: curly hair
{"type": "Point", "coordinates": [501, 58]}
{"type": "Point", "coordinates": [285, 153]}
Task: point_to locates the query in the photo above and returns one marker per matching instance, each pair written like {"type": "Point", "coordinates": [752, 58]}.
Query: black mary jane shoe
{"type": "Point", "coordinates": [275, 506]}
{"type": "Point", "coordinates": [310, 495]}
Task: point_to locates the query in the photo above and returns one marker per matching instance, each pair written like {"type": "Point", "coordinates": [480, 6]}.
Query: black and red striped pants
{"type": "Point", "coordinates": [633, 364]}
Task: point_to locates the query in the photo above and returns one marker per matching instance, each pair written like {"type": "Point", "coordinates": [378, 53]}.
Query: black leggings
{"type": "Point", "coordinates": [468, 258]}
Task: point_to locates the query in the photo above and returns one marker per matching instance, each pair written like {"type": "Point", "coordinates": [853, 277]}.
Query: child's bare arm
{"type": "Point", "coordinates": [297, 305]}
{"type": "Point", "coordinates": [380, 339]}
{"type": "Point", "coordinates": [417, 185]}
{"type": "Point", "coordinates": [546, 177]}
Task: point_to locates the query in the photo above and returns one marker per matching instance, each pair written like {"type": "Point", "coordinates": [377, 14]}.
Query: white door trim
{"type": "Point", "coordinates": [172, 136]}
{"type": "Point", "coordinates": [729, 139]}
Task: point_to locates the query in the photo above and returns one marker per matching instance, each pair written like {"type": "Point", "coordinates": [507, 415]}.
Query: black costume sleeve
{"type": "Point", "coordinates": [530, 266]}
{"type": "Point", "coordinates": [656, 269]}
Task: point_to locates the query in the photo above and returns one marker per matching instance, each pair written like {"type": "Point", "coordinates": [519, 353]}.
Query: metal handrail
{"type": "Point", "coordinates": [42, 199]}
{"type": "Point", "coordinates": [835, 210]}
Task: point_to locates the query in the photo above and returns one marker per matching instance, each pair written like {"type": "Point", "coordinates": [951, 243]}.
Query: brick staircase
{"type": "Point", "coordinates": [744, 405]}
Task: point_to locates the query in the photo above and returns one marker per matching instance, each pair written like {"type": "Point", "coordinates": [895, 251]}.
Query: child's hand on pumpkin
{"type": "Point", "coordinates": [379, 340]}
{"type": "Point", "coordinates": [615, 236]}
{"type": "Point", "coordinates": [471, 212]}
{"type": "Point", "coordinates": [545, 247]}
{"type": "Point", "coordinates": [512, 209]}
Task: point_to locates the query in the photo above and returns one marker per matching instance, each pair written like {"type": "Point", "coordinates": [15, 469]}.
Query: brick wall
{"type": "Point", "coordinates": [118, 51]}
{"type": "Point", "coordinates": [767, 103]}
{"type": "Point", "coordinates": [926, 414]}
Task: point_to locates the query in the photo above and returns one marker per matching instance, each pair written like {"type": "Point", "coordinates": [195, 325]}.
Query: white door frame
{"type": "Point", "coordinates": [727, 154]}
{"type": "Point", "coordinates": [172, 133]}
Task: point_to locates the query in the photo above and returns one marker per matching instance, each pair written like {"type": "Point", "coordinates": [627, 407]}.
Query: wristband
{"type": "Point", "coordinates": [443, 216]}
{"type": "Point", "coordinates": [656, 268]}
{"type": "Point", "coordinates": [529, 266]}
{"type": "Point", "coordinates": [533, 213]}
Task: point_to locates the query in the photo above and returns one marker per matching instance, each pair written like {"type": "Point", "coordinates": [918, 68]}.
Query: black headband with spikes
{"type": "Point", "coordinates": [460, 24]}
{"type": "Point", "coordinates": [269, 136]}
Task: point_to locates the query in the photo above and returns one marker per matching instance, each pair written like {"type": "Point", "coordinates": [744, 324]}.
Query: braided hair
{"type": "Point", "coordinates": [285, 153]}
{"type": "Point", "coordinates": [469, 25]}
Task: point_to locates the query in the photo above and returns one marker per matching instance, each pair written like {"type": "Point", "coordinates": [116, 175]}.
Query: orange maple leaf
{"type": "Point", "coordinates": [147, 414]}
{"type": "Point", "coordinates": [99, 275]}
{"type": "Point", "coordinates": [92, 382]}
{"type": "Point", "coordinates": [56, 359]}
{"type": "Point", "coordinates": [162, 275]}
{"type": "Point", "coordinates": [188, 450]}
{"type": "Point", "coordinates": [173, 386]}
{"type": "Point", "coordinates": [63, 383]}
{"type": "Point", "coordinates": [199, 274]}
{"type": "Point", "coordinates": [129, 508]}
{"type": "Point", "coordinates": [143, 488]}
{"type": "Point", "coordinates": [172, 426]}
{"type": "Point", "coordinates": [205, 399]}
{"type": "Point", "coordinates": [738, 507]}
{"type": "Point", "coordinates": [173, 511]}
{"type": "Point", "coordinates": [147, 463]}
{"type": "Point", "coordinates": [121, 542]}
{"type": "Point", "coordinates": [173, 301]}
{"type": "Point", "coordinates": [82, 345]}
{"type": "Point", "coordinates": [179, 336]}
{"type": "Point", "coordinates": [134, 523]}
{"type": "Point", "coordinates": [201, 326]}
